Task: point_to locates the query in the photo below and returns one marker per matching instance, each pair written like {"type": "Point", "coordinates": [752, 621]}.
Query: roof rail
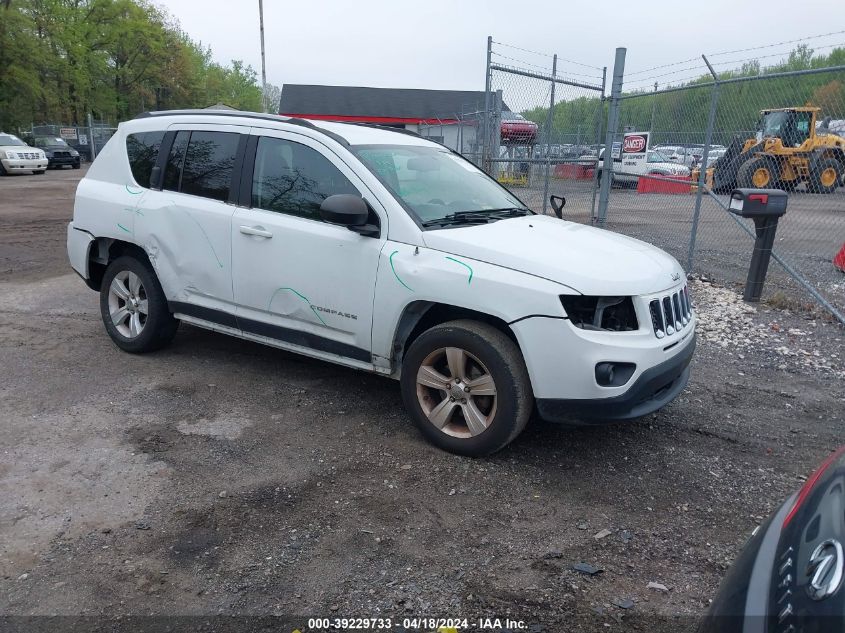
{"type": "Point", "coordinates": [262, 116]}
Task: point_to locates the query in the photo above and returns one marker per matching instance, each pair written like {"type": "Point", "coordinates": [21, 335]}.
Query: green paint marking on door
{"type": "Point", "coordinates": [120, 226]}
{"type": "Point", "coordinates": [134, 193]}
{"type": "Point", "coordinates": [394, 272]}
{"type": "Point", "coordinates": [467, 266]}
{"type": "Point", "coordinates": [301, 296]}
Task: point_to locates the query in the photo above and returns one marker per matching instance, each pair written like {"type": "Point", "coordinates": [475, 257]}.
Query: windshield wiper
{"type": "Point", "coordinates": [477, 217]}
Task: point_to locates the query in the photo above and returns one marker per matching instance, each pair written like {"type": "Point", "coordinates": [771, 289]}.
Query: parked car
{"type": "Point", "coordinates": [17, 156]}
{"type": "Point", "coordinates": [789, 576]}
{"type": "Point", "coordinates": [515, 128]}
{"type": "Point", "coordinates": [381, 251]}
{"type": "Point", "coordinates": [656, 165]}
{"type": "Point", "coordinates": [59, 153]}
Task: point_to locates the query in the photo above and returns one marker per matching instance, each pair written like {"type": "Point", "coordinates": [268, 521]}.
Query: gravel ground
{"type": "Point", "coordinates": [219, 477]}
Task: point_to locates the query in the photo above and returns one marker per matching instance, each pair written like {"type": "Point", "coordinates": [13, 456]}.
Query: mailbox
{"type": "Point", "coordinates": [764, 207]}
{"type": "Point", "coordinates": [752, 203]}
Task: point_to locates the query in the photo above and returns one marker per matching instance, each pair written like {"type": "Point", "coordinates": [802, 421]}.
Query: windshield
{"type": "Point", "coordinates": [772, 123]}
{"type": "Point", "coordinates": [657, 157]}
{"type": "Point", "coordinates": [50, 140]}
{"type": "Point", "coordinates": [432, 182]}
{"type": "Point", "coordinates": [11, 139]}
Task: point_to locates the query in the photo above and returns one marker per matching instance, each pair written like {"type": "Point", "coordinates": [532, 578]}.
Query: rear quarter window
{"type": "Point", "coordinates": [142, 151]}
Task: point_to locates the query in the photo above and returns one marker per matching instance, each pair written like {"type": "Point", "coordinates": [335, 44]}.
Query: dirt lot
{"type": "Point", "coordinates": [219, 477]}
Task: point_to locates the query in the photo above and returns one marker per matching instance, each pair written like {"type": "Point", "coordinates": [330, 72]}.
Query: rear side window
{"type": "Point", "coordinates": [209, 161]}
{"type": "Point", "coordinates": [294, 179]}
{"type": "Point", "coordinates": [142, 150]}
{"type": "Point", "coordinates": [173, 168]}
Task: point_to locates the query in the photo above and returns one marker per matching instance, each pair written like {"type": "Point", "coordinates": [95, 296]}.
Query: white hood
{"type": "Point", "coordinates": [589, 260]}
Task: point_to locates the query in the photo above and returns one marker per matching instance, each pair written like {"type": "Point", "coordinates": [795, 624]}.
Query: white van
{"type": "Point", "coordinates": [382, 251]}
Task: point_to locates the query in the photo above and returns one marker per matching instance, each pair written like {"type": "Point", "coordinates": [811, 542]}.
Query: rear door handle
{"type": "Point", "coordinates": [260, 231]}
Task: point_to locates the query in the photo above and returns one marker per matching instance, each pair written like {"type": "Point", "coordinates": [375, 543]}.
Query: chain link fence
{"type": "Point", "coordinates": [708, 129]}
{"type": "Point", "coordinates": [87, 140]}
{"type": "Point", "coordinates": [533, 147]}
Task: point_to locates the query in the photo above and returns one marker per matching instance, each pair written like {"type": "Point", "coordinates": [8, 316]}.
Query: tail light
{"type": "Point", "coordinates": [811, 482]}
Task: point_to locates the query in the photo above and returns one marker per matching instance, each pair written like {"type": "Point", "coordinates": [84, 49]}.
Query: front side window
{"type": "Point", "coordinates": [293, 178]}
{"type": "Point", "coordinates": [142, 151]}
{"type": "Point", "coordinates": [209, 161]}
{"type": "Point", "coordinates": [434, 182]}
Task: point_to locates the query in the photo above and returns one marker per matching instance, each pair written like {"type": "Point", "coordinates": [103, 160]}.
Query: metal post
{"type": "Point", "coordinates": [653, 107]}
{"type": "Point", "coordinates": [91, 137]}
{"type": "Point", "coordinates": [702, 170]}
{"type": "Point", "coordinates": [599, 118]}
{"type": "Point", "coordinates": [612, 125]}
{"type": "Point", "coordinates": [263, 65]}
{"type": "Point", "coordinates": [549, 123]}
{"type": "Point", "coordinates": [487, 138]}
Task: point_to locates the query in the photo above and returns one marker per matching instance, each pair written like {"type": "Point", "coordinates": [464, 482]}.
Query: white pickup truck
{"type": "Point", "coordinates": [629, 171]}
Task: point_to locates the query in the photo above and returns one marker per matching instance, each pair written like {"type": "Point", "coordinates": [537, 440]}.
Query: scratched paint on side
{"type": "Point", "coordinates": [395, 273]}
{"type": "Point", "coordinates": [120, 226]}
{"type": "Point", "coordinates": [467, 266]}
{"type": "Point", "coordinates": [301, 296]}
{"type": "Point", "coordinates": [134, 193]}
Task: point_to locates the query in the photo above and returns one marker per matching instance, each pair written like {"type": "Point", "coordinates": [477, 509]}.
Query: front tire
{"type": "Point", "coordinates": [134, 308]}
{"type": "Point", "coordinates": [466, 387]}
{"type": "Point", "coordinates": [759, 172]}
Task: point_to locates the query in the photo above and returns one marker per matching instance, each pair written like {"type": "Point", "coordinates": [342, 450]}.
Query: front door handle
{"type": "Point", "coordinates": [260, 231]}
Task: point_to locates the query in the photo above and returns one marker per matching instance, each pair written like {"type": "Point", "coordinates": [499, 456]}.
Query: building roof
{"type": "Point", "coordinates": [380, 105]}
{"type": "Point", "coordinates": [220, 106]}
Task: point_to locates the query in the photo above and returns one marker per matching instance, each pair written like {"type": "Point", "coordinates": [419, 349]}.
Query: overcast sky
{"type": "Point", "coordinates": [442, 44]}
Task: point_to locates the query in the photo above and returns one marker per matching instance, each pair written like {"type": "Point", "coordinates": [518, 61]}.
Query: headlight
{"type": "Point", "coordinates": [11, 155]}
{"type": "Point", "coordinates": [609, 314]}
{"type": "Point", "coordinates": [73, 152]}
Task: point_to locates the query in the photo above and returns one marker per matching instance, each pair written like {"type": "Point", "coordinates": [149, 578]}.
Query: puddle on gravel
{"type": "Point", "coordinates": [220, 427]}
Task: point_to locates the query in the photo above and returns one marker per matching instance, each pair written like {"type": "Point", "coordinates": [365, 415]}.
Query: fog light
{"type": "Point", "coordinates": [614, 374]}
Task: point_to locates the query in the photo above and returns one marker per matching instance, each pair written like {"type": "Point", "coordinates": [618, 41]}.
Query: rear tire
{"type": "Point", "coordinates": [825, 176]}
{"type": "Point", "coordinates": [134, 308]}
{"type": "Point", "coordinates": [3, 171]}
{"type": "Point", "coordinates": [466, 387]}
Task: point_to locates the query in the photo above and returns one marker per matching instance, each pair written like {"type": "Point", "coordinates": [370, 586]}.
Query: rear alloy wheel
{"type": "Point", "coordinates": [467, 388]}
{"type": "Point", "coordinates": [758, 173]}
{"type": "Point", "coordinates": [825, 176]}
{"type": "Point", "coordinates": [134, 308]}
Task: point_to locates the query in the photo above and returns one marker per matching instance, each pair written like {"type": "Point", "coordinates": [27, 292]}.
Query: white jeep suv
{"type": "Point", "coordinates": [382, 251]}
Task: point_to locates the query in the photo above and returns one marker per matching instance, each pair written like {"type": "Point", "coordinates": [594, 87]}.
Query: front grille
{"type": "Point", "coordinates": [27, 155]}
{"type": "Point", "coordinates": [670, 314]}
{"type": "Point", "coordinates": [61, 154]}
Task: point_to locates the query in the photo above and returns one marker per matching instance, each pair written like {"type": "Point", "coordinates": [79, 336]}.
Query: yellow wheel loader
{"type": "Point", "coordinates": [786, 151]}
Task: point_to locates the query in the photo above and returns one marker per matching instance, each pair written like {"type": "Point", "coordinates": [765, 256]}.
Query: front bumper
{"type": "Point", "coordinates": [24, 164]}
{"type": "Point", "coordinates": [59, 161]}
{"type": "Point", "coordinates": [654, 389]}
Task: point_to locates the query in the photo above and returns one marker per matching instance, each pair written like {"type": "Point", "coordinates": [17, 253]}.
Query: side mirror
{"type": "Point", "coordinates": [350, 211]}
{"type": "Point", "coordinates": [558, 202]}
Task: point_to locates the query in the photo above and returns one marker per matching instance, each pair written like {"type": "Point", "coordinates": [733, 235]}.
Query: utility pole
{"type": "Point", "coordinates": [263, 63]}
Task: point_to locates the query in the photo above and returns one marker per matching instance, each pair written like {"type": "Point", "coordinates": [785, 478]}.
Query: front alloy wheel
{"type": "Point", "coordinates": [456, 392]}
{"type": "Point", "coordinates": [466, 387]}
